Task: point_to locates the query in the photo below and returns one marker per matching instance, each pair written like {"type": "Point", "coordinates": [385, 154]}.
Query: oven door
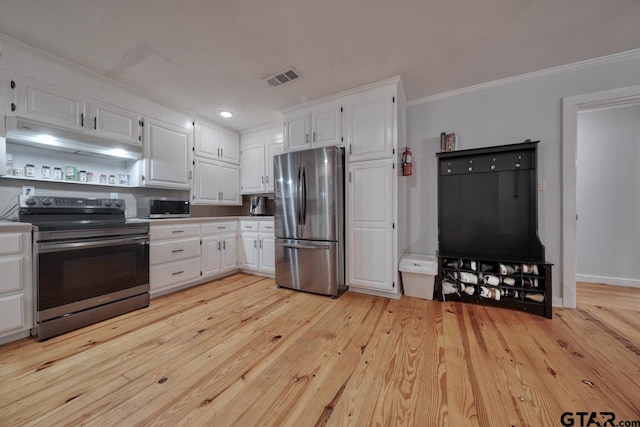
{"type": "Point", "coordinates": [75, 275]}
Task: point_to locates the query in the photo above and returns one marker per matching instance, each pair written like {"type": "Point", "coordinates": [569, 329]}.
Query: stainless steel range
{"type": "Point", "coordinates": [90, 263]}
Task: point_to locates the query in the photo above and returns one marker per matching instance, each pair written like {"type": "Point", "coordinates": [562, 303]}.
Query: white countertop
{"type": "Point", "coordinates": [10, 226]}
{"type": "Point", "coordinates": [200, 219]}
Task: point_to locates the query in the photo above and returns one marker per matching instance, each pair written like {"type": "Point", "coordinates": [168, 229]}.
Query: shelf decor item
{"type": "Point", "coordinates": [489, 251]}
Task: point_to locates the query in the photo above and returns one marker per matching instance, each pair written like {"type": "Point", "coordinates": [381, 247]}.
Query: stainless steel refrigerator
{"type": "Point", "coordinates": [309, 220]}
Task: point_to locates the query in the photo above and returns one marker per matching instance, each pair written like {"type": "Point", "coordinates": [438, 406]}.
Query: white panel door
{"type": "Point", "coordinates": [252, 167]}
{"type": "Point", "coordinates": [113, 122]}
{"type": "Point", "coordinates": [249, 251]}
{"type": "Point", "coordinates": [272, 149]}
{"type": "Point", "coordinates": [326, 127]}
{"type": "Point", "coordinates": [11, 273]}
{"type": "Point", "coordinates": [211, 256]}
{"type": "Point", "coordinates": [11, 313]}
{"type": "Point", "coordinates": [229, 146]}
{"type": "Point", "coordinates": [166, 155]}
{"type": "Point", "coordinates": [206, 186]}
{"type": "Point", "coordinates": [267, 254]}
{"type": "Point", "coordinates": [297, 133]}
{"type": "Point", "coordinates": [370, 129]}
{"type": "Point", "coordinates": [48, 104]}
{"type": "Point", "coordinates": [206, 141]}
{"type": "Point", "coordinates": [369, 225]}
{"type": "Point", "coordinates": [229, 255]}
{"type": "Point", "coordinates": [229, 184]}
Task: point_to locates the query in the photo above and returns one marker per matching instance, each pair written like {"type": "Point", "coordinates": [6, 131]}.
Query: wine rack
{"type": "Point", "coordinates": [519, 285]}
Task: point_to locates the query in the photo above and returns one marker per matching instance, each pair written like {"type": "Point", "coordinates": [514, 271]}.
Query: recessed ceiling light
{"type": "Point", "coordinates": [226, 114]}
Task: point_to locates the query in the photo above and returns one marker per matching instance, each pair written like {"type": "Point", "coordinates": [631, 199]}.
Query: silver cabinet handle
{"type": "Point", "coordinates": [224, 245]}
{"type": "Point", "coordinates": [175, 251]}
{"type": "Point", "coordinates": [81, 119]}
{"type": "Point", "coordinates": [267, 178]}
{"type": "Point", "coordinates": [260, 244]}
{"type": "Point", "coordinates": [315, 136]}
{"type": "Point", "coordinates": [306, 138]}
{"type": "Point", "coordinates": [218, 245]}
{"type": "Point", "coordinates": [177, 231]}
{"type": "Point", "coordinates": [221, 228]}
{"type": "Point", "coordinates": [177, 272]}
{"type": "Point", "coordinates": [222, 152]}
{"type": "Point", "coordinates": [218, 155]}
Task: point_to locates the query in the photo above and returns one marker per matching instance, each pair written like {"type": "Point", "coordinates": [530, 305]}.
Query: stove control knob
{"type": "Point", "coordinates": [46, 202]}
{"type": "Point", "coordinates": [107, 202]}
{"type": "Point", "coordinates": [31, 201]}
{"type": "Point", "coordinates": [118, 203]}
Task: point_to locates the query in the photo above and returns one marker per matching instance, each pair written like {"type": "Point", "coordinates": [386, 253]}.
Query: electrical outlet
{"type": "Point", "coordinates": [28, 190]}
{"type": "Point", "coordinates": [114, 195]}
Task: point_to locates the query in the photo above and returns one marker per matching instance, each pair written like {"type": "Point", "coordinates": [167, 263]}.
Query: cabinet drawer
{"type": "Point", "coordinates": [160, 232]}
{"type": "Point", "coordinates": [249, 226]}
{"type": "Point", "coordinates": [266, 227]}
{"type": "Point", "coordinates": [11, 313]}
{"type": "Point", "coordinates": [173, 250]}
{"type": "Point", "coordinates": [11, 274]}
{"type": "Point", "coordinates": [219, 227]}
{"type": "Point", "coordinates": [171, 273]}
{"type": "Point", "coordinates": [10, 243]}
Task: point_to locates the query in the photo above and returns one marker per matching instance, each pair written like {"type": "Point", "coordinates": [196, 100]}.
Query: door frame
{"type": "Point", "coordinates": [571, 106]}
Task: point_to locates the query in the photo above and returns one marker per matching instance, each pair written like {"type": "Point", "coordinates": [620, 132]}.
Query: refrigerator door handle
{"type": "Point", "coordinates": [298, 201]}
{"type": "Point", "coordinates": [301, 246]}
{"type": "Point", "coordinates": [303, 213]}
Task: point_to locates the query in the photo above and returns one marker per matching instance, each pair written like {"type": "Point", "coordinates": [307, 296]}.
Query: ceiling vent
{"type": "Point", "coordinates": [282, 77]}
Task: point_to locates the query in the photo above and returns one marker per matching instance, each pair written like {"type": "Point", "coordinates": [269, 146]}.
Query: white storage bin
{"type": "Point", "coordinates": [418, 274]}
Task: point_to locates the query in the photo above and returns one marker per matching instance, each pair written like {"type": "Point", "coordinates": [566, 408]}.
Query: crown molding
{"type": "Point", "coordinates": [528, 76]}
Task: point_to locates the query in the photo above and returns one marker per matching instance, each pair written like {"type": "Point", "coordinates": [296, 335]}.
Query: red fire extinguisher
{"type": "Point", "coordinates": [406, 162]}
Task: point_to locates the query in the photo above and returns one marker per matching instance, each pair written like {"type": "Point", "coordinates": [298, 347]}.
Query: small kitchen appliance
{"type": "Point", "coordinates": [259, 206]}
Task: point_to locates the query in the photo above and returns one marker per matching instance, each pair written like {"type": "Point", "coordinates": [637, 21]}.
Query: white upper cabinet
{"type": "Point", "coordinates": [166, 156]}
{"type": "Point", "coordinates": [312, 127]}
{"type": "Point", "coordinates": [216, 143]}
{"type": "Point", "coordinates": [113, 122]}
{"type": "Point", "coordinates": [257, 166]}
{"type": "Point", "coordinates": [45, 103]}
{"type": "Point", "coordinates": [48, 104]}
{"type": "Point", "coordinates": [370, 127]}
{"type": "Point", "coordinates": [216, 183]}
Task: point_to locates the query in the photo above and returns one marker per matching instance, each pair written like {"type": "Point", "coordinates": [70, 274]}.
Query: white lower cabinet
{"type": "Point", "coordinates": [174, 255]}
{"type": "Point", "coordinates": [257, 246]}
{"type": "Point", "coordinates": [16, 296]}
{"type": "Point", "coordinates": [219, 248]}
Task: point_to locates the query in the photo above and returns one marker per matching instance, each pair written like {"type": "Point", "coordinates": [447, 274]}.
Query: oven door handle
{"type": "Point", "coordinates": [59, 247]}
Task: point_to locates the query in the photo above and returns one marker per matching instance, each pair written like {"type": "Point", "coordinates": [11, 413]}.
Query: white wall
{"type": "Point", "coordinates": [505, 112]}
{"type": "Point", "coordinates": [608, 196]}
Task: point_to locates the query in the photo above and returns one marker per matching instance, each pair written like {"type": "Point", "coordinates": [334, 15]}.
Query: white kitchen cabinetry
{"type": "Point", "coordinates": [257, 246]}
{"type": "Point", "coordinates": [316, 126]}
{"type": "Point", "coordinates": [370, 125]}
{"type": "Point", "coordinates": [216, 143]}
{"type": "Point", "coordinates": [16, 296]}
{"type": "Point", "coordinates": [48, 104]}
{"type": "Point", "coordinates": [219, 248]}
{"type": "Point", "coordinates": [174, 256]}
{"type": "Point", "coordinates": [166, 155]}
{"type": "Point", "coordinates": [370, 228]}
{"type": "Point", "coordinates": [216, 183]}
{"type": "Point", "coordinates": [257, 166]}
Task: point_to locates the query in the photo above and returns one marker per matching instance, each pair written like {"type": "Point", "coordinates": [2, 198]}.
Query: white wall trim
{"type": "Point", "coordinates": [614, 281]}
{"type": "Point", "coordinates": [557, 302]}
{"type": "Point", "coordinates": [528, 76]}
{"type": "Point", "coordinates": [570, 108]}
{"type": "Point", "coordinates": [259, 128]}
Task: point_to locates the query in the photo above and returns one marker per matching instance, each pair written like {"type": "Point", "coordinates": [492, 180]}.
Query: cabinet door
{"type": "Point", "coordinates": [166, 155]}
{"type": "Point", "coordinates": [249, 251]}
{"type": "Point", "coordinates": [326, 127]}
{"type": "Point", "coordinates": [252, 167]}
{"type": "Point", "coordinates": [297, 133]}
{"type": "Point", "coordinates": [229, 184]}
{"type": "Point", "coordinates": [229, 146]}
{"type": "Point", "coordinates": [272, 149]}
{"type": "Point", "coordinates": [12, 316]}
{"type": "Point", "coordinates": [369, 225]}
{"type": "Point", "coordinates": [48, 104]}
{"type": "Point", "coordinates": [370, 128]}
{"type": "Point", "coordinates": [207, 140]}
{"type": "Point", "coordinates": [205, 188]}
{"type": "Point", "coordinates": [211, 256]}
{"type": "Point", "coordinates": [113, 122]}
{"type": "Point", "coordinates": [230, 253]}
{"type": "Point", "coordinates": [267, 254]}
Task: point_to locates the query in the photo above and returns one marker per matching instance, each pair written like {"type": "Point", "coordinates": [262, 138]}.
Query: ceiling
{"type": "Point", "coordinates": [207, 55]}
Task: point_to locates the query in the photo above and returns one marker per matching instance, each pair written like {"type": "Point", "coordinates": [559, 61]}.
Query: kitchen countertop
{"type": "Point", "coordinates": [11, 226]}
{"type": "Point", "coordinates": [197, 220]}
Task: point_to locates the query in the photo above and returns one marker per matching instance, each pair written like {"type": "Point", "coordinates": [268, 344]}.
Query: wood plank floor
{"type": "Point", "coordinates": [239, 351]}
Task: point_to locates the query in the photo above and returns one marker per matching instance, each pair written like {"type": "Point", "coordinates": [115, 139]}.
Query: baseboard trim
{"type": "Point", "coordinates": [614, 281]}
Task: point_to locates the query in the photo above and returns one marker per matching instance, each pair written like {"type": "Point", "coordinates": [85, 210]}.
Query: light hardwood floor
{"type": "Point", "coordinates": [239, 351]}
